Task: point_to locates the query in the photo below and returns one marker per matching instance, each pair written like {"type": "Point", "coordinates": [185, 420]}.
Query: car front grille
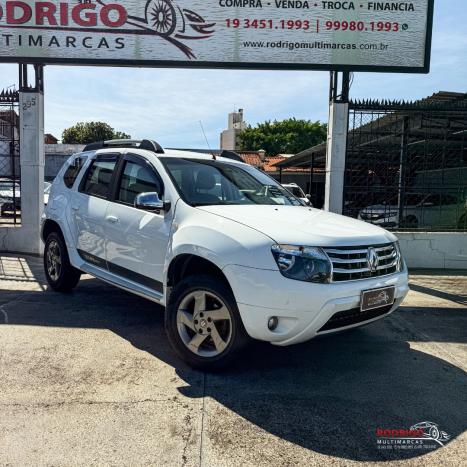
{"type": "Point", "coordinates": [354, 316]}
{"type": "Point", "coordinates": [352, 263]}
{"type": "Point", "coordinates": [371, 216]}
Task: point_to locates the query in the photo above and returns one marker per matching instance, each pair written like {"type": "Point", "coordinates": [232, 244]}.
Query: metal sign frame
{"type": "Point", "coordinates": [241, 66]}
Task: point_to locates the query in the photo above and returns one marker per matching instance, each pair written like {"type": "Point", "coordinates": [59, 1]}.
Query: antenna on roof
{"type": "Point", "coordinates": [206, 139]}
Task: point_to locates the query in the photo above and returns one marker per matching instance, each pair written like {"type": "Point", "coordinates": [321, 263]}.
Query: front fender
{"type": "Point", "coordinates": [218, 240]}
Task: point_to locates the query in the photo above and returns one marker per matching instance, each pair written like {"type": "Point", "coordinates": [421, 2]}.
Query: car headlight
{"type": "Point", "coordinates": [400, 260]}
{"type": "Point", "coordinates": [303, 263]}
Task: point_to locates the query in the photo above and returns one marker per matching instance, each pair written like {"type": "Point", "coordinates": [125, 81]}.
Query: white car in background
{"type": "Point", "coordinates": [227, 251]}
{"type": "Point", "coordinates": [427, 210]}
{"type": "Point", "coordinates": [10, 195]}
{"type": "Point", "coordinates": [298, 193]}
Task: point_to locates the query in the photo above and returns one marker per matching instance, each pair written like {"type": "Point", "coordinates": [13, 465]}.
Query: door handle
{"type": "Point", "coordinates": [113, 219]}
{"type": "Point", "coordinates": [75, 208]}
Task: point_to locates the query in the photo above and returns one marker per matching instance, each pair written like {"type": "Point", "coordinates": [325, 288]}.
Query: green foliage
{"type": "Point", "coordinates": [90, 132]}
{"type": "Point", "coordinates": [288, 136]}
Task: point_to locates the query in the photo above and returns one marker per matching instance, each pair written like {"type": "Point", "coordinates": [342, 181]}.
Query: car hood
{"type": "Point", "coordinates": [303, 226]}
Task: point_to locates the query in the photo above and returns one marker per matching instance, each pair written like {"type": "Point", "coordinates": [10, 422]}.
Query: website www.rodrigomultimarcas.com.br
{"type": "Point", "coordinates": [314, 45]}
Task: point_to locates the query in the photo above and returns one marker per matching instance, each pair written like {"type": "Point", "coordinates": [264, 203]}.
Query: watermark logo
{"type": "Point", "coordinates": [423, 435]}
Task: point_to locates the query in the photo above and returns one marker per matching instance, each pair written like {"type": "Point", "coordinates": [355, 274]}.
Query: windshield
{"type": "Point", "coordinates": [203, 182]}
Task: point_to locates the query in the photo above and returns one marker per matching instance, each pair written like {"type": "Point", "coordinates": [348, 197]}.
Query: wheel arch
{"type": "Point", "coordinates": [188, 264]}
{"type": "Point", "coordinates": [49, 227]}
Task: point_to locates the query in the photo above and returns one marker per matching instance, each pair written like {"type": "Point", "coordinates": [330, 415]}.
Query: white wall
{"type": "Point", "coordinates": [434, 250]}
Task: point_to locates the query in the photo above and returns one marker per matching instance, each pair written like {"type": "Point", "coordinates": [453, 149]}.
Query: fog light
{"type": "Point", "coordinates": [273, 323]}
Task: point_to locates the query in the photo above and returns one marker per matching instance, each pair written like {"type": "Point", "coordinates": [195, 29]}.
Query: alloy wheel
{"type": "Point", "coordinates": [54, 260]}
{"type": "Point", "coordinates": [204, 323]}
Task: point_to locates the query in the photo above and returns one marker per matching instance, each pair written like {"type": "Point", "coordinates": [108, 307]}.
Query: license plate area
{"type": "Point", "coordinates": [377, 298]}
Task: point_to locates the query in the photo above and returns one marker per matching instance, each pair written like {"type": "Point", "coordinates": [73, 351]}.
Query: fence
{"type": "Point", "coordinates": [406, 165]}
{"type": "Point", "coordinates": [10, 174]}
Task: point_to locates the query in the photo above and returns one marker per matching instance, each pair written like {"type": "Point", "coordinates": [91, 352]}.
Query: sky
{"type": "Point", "coordinates": [168, 104]}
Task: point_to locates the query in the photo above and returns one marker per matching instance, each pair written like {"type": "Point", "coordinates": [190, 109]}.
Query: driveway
{"type": "Point", "coordinates": [89, 379]}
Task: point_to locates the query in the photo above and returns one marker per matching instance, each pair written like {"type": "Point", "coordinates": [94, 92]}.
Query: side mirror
{"type": "Point", "coordinates": [308, 197]}
{"type": "Point", "coordinates": [151, 202]}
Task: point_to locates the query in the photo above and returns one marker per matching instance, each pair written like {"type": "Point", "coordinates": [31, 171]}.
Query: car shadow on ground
{"type": "Point", "coordinates": [328, 395]}
{"type": "Point", "coordinates": [461, 298]}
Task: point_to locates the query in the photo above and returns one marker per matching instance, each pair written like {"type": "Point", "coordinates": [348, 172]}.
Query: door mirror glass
{"type": "Point", "coordinates": [151, 202]}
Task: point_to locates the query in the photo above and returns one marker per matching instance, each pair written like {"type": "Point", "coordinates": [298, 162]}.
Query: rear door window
{"type": "Point", "coordinates": [99, 177]}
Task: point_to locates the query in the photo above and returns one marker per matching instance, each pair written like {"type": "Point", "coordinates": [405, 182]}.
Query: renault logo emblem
{"type": "Point", "coordinates": [372, 259]}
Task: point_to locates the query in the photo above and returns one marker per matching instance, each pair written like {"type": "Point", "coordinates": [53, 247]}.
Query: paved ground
{"type": "Point", "coordinates": [89, 379]}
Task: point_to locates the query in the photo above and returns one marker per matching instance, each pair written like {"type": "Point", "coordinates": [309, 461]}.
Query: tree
{"type": "Point", "coordinates": [89, 132]}
{"type": "Point", "coordinates": [288, 136]}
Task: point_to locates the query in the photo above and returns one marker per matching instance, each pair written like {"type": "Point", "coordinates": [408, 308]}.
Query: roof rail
{"type": "Point", "coordinates": [231, 155]}
{"type": "Point", "coordinates": [147, 144]}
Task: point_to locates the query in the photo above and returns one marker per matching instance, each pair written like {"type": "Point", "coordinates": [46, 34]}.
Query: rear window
{"type": "Point", "coordinates": [73, 171]}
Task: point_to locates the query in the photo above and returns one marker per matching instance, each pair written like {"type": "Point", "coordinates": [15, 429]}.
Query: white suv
{"type": "Point", "coordinates": [228, 251]}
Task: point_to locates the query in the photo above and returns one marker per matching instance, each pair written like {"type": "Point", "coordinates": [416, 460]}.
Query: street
{"type": "Point", "coordinates": [89, 379]}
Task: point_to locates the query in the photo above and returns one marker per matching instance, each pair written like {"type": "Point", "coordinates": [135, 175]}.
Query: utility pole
{"type": "Point", "coordinates": [32, 158]}
{"type": "Point", "coordinates": [337, 142]}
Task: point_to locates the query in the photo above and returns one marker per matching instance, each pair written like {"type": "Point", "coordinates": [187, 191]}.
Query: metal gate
{"type": "Point", "coordinates": [406, 165]}
{"type": "Point", "coordinates": [10, 179]}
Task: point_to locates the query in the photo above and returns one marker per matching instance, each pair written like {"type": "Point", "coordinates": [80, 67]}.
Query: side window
{"type": "Point", "coordinates": [98, 177]}
{"type": "Point", "coordinates": [137, 179]}
{"type": "Point", "coordinates": [72, 172]}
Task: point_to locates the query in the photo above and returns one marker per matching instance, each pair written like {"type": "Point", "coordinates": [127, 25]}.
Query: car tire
{"type": "Point", "coordinates": [207, 333]}
{"type": "Point", "coordinates": [60, 274]}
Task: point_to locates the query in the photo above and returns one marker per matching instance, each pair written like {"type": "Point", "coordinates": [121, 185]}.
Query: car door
{"type": "Point", "coordinates": [88, 208]}
{"type": "Point", "coordinates": [137, 240]}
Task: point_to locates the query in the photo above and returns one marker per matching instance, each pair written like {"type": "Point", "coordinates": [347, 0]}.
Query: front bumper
{"type": "Point", "coordinates": [302, 308]}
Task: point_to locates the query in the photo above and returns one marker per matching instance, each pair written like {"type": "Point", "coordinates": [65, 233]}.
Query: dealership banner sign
{"type": "Point", "coordinates": [290, 34]}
